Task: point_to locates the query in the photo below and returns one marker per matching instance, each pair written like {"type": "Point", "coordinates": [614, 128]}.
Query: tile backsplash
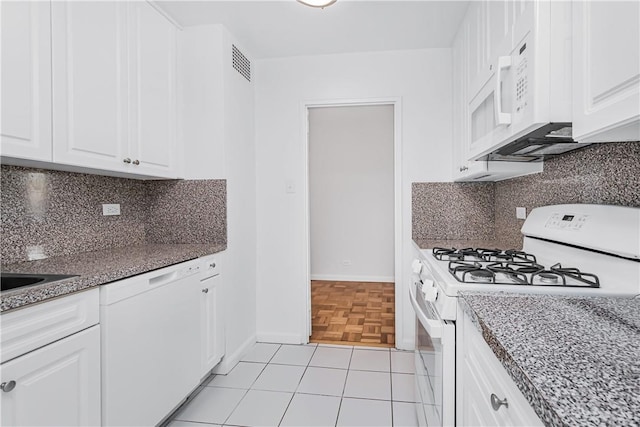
{"type": "Point", "coordinates": [46, 213]}
{"type": "Point", "coordinates": [601, 174]}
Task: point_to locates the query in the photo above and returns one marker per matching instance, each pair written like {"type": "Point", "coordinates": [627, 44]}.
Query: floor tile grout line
{"type": "Point", "coordinates": [306, 368]}
{"type": "Point", "coordinates": [235, 407]}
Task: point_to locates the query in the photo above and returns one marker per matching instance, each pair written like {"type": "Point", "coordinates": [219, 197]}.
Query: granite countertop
{"type": "Point", "coordinates": [458, 244]}
{"type": "Point", "coordinates": [575, 359]}
{"type": "Point", "coordinates": [97, 268]}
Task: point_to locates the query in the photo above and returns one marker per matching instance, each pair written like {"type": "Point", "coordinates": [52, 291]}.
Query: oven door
{"type": "Point", "coordinates": [435, 364]}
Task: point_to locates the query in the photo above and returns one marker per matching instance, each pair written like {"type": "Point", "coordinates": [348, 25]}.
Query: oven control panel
{"type": "Point", "coordinates": [564, 221]}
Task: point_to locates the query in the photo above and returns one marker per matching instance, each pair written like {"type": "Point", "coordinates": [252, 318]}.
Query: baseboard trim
{"type": "Point", "coordinates": [281, 338]}
{"type": "Point", "coordinates": [340, 278]}
{"type": "Point", "coordinates": [229, 361]}
{"type": "Point", "coordinates": [406, 344]}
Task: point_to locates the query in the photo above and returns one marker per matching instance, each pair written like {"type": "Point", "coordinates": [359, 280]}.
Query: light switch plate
{"type": "Point", "coordinates": [521, 213]}
{"type": "Point", "coordinates": [110, 209]}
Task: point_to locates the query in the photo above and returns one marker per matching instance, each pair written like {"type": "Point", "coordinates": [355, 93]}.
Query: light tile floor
{"type": "Point", "coordinates": [308, 385]}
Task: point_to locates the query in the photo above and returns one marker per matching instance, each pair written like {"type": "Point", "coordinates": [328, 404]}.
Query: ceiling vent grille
{"type": "Point", "coordinates": [241, 63]}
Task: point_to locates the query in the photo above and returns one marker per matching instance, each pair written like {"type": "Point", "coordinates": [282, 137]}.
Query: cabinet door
{"type": "Point", "coordinates": [212, 323]}
{"type": "Point", "coordinates": [153, 82]}
{"type": "Point", "coordinates": [479, 72]}
{"type": "Point", "coordinates": [58, 384]}
{"type": "Point", "coordinates": [606, 71]}
{"type": "Point", "coordinates": [89, 84]}
{"type": "Point", "coordinates": [26, 80]}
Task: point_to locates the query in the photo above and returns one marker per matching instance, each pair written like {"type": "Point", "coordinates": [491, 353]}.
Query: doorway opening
{"type": "Point", "coordinates": [352, 223]}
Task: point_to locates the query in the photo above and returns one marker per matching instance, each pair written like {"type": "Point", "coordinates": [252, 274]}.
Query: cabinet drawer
{"type": "Point", "coordinates": [492, 378]}
{"type": "Point", "coordinates": [32, 327]}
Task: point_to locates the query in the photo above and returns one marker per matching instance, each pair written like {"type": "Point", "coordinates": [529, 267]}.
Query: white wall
{"type": "Point", "coordinates": [351, 200]}
{"type": "Point", "coordinates": [217, 132]}
{"type": "Point", "coordinates": [421, 79]}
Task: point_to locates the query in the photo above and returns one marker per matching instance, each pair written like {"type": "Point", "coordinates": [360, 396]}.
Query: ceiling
{"type": "Point", "coordinates": [272, 29]}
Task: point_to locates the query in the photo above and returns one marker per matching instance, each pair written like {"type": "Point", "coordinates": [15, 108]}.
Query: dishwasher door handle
{"type": "Point", "coordinates": [173, 275]}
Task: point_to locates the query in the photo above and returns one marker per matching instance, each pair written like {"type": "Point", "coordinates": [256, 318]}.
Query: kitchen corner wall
{"type": "Point", "coordinates": [606, 173]}
{"type": "Point", "coordinates": [48, 213]}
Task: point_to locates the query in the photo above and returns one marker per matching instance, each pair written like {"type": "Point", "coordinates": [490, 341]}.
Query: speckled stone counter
{"type": "Point", "coordinates": [97, 268]}
{"type": "Point", "coordinates": [458, 244]}
{"type": "Point", "coordinates": [575, 359]}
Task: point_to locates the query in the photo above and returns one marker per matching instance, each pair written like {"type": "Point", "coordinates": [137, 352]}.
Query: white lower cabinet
{"type": "Point", "coordinates": [212, 320]}
{"type": "Point", "coordinates": [54, 381]}
{"type": "Point", "coordinates": [58, 384]}
{"type": "Point", "coordinates": [486, 394]}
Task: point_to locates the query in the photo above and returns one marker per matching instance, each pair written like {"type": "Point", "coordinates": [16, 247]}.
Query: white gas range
{"type": "Point", "coordinates": [568, 250]}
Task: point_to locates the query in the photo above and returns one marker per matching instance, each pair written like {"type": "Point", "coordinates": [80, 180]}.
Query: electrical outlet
{"type": "Point", "coordinates": [110, 209]}
{"type": "Point", "coordinates": [521, 213]}
{"type": "Point", "coordinates": [346, 262]}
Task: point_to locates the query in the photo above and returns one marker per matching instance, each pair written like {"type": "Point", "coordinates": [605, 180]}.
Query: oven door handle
{"type": "Point", "coordinates": [432, 326]}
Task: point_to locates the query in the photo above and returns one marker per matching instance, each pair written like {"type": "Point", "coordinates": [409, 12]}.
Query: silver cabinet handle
{"type": "Point", "coordinates": [212, 265]}
{"type": "Point", "coordinates": [496, 403]}
{"type": "Point", "coordinates": [7, 387]}
{"type": "Point", "coordinates": [136, 162]}
{"type": "Point", "coordinates": [205, 290]}
{"type": "Point", "coordinates": [463, 168]}
{"type": "Point", "coordinates": [127, 160]}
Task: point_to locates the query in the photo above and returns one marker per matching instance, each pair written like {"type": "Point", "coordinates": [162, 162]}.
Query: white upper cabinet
{"type": "Point", "coordinates": [90, 84]}
{"type": "Point", "coordinates": [606, 71]}
{"type": "Point", "coordinates": [89, 87]}
{"type": "Point", "coordinates": [486, 29]}
{"type": "Point", "coordinates": [26, 80]}
{"type": "Point", "coordinates": [153, 86]}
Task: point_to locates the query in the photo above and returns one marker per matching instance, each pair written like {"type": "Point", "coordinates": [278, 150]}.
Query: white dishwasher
{"type": "Point", "coordinates": [150, 337]}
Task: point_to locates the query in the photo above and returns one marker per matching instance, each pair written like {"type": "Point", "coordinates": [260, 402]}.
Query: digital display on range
{"type": "Point", "coordinates": [568, 217]}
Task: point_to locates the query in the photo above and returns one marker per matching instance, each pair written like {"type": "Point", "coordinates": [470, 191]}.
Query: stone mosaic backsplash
{"type": "Point", "coordinates": [452, 211]}
{"type": "Point", "coordinates": [601, 174]}
{"type": "Point", "coordinates": [46, 213]}
{"type": "Point", "coordinates": [604, 174]}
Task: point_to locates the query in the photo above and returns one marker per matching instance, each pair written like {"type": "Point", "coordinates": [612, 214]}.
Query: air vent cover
{"type": "Point", "coordinates": [241, 63]}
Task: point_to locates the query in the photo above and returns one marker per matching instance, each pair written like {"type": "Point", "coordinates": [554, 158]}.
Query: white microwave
{"type": "Point", "coordinates": [530, 86]}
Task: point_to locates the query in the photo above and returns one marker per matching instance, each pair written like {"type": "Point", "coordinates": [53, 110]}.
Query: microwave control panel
{"type": "Point", "coordinates": [569, 222]}
{"type": "Point", "coordinates": [521, 78]}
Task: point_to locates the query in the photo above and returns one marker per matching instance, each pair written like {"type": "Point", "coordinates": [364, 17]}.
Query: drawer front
{"type": "Point", "coordinates": [492, 378]}
{"type": "Point", "coordinates": [32, 327]}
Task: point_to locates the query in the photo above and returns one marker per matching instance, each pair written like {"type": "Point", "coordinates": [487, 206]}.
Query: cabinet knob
{"type": "Point", "coordinates": [7, 387]}
{"type": "Point", "coordinates": [212, 265]}
{"type": "Point", "coordinates": [127, 160]}
{"type": "Point", "coordinates": [136, 162]}
{"type": "Point", "coordinates": [205, 290]}
{"type": "Point", "coordinates": [463, 168]}
{"type": "Point", "coordinates": [496, 403]}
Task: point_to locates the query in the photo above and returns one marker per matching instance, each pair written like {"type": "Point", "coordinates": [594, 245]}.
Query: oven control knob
{"type": "Point", "coordinates": [431, 294]}
{"type": "Point", "coordinates": [426, 285]}
{"type": "Point", "coordinates": [416, 266]}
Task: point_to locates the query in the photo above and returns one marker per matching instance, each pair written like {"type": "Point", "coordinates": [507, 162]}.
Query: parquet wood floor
{"type": "Point", "coordinates": [354, 313]}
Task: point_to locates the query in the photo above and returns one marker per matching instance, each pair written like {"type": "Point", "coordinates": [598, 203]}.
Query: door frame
{"type": "Point", "coordinates": [396, 102]}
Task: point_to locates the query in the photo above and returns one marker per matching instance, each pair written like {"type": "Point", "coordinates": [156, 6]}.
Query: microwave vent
{"type": "Point", "coordinates": [240, 62]}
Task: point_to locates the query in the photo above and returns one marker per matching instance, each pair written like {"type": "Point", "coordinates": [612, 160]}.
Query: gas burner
{"type": "Point", "coordinates": [481, 276]}
{"type": "Point", "coordinates": [470, 272]}
{"type": "Point", "coordinates": [549, 278]}
{"type": "Point", "coordinates": [515, 273]}
{"type": "Point", "coordinates": [441, 253]}
{"type": "Point", "coordinates": [520, 256]}
{"type": "Point", "coordinates": [587, 278]}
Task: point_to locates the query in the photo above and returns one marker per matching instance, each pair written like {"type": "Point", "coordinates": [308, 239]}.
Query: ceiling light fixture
{"type": "Point", "coordinates": [317, 3]}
